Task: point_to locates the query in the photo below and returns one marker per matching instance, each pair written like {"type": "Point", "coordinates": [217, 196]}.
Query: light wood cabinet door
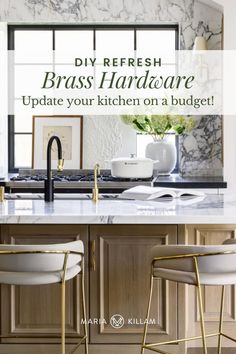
{"type": "Point", "coordinates": [34, 311]}
{"type": "Point", "coordinates": [119, 284]}
{"type": "Point", "coordinates": [211, 235]}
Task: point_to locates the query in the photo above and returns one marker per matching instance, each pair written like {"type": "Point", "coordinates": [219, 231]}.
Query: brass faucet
{"type": "Point", "coordinates": [60, 165]}
{"type": "Point", "coordinates": [95, 196]}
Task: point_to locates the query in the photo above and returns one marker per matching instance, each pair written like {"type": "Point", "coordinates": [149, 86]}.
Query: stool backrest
{"type": "Point", "coordinates": [40, 262]}
{"type": "Point", "coordinates": [207, 264]}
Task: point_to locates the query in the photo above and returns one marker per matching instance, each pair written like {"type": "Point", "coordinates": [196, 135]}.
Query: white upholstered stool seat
{"type": "Point", "coordinates": [214, 270]}
{"type": "Point", "coordinates": [39, 268]}
{"type": "Point", "coordinates": [193, 265]}
{"type": "Point", "coordinates": [46, 264]}
{"type": "Point", "coordinates": [36, 278]}
{"type": "Point", "coordinates": [190, 277]}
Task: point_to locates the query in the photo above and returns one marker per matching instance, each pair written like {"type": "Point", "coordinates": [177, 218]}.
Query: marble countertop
{"type": "Point", "coordinates": [213, 209]}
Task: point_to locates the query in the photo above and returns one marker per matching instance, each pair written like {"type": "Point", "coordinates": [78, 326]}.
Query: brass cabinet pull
{"type": "Point", "coordinates": [93, 255]}
{"type": "Point", "coordinates": [2, 194]}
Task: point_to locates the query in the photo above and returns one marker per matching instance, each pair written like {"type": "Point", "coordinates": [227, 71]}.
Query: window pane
{"type": "Point", "coordinates": [73, 44]}
{"type": "Point", "coordinates": [164, 70]}
{"type": "Point", "coordinates": [23, 122]}
{"type": "Point", "coordinates": [23, 150]}
{"type": "Point", "coordinates": [107, 78]}
{"type": "Point", "coordinates": [70, 70]}
{"type": "Point", "coordinates": [30, 78]}
{"type": "Point", "coordinates": [115, 43]}
{"type": "Point", "coordinates": [156, 43]}
{"type": "Point", "coordinates": [33, 46]}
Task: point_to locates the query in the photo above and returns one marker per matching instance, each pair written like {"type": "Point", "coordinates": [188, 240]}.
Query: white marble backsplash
{"type": "Point", "coordinates": [201, 152]}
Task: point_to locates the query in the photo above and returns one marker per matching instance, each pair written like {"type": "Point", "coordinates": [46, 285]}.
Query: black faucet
{"type": "Point", "coordinates": [49, 183]}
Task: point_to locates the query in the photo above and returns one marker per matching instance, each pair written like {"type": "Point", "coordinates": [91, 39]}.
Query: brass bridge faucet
{"type": "Point", "coordinates": [95, 196]}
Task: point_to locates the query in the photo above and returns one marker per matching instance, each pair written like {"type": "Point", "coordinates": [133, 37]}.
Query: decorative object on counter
{"type": "Point", "coordinates": [95, 195]}
{"type": "Point", "coordinates": [70, 131]}
{"type": "Point", "coordinates": [153, 193]}
{"type": "Point", "coordinates": [49, 182]}
{"type": "Point", "coordinates": [165, 152]}
{"type": "Point", "coordinates": [158, 126]}
{"type": "Point", "coordinates": [2, 194]}
{"type": "Point", "coordinates": [132, 167]}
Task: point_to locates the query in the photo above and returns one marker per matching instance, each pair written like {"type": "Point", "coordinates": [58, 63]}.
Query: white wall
{"type": "Point", "coordinates": [229, 121]}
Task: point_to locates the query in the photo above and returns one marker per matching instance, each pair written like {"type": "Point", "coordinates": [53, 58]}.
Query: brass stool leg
{"type": "Point", "coordinates": [199, 291]}
{"type": "Point", "coordinates": [221, 319]}
{"type": "Point", "coordinates": [148, 314]}
{"type": "Point", "coordinates": [63, 306]}
{"type": "Point", "coordinates": [63, 293]}
{"type": "Point", "coordinates": [84, 309]}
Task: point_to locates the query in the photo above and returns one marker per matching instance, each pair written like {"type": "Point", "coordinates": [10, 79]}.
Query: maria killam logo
{"type": "Point", "coordinates": [117, 321]}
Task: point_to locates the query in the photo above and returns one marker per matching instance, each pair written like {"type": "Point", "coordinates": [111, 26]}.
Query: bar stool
{"type": "Point", "coordinates": [193, 265]}
{"type": "Point", "coordinates": [46, 264]}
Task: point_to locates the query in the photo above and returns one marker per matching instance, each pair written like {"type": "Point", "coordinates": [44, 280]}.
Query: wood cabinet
{"type": "Point", "coordinates": [117, 282]}
{"type": "Point", "coordinates": [211, 235]}
{"type": "Point", "coordinates": [34, 311]}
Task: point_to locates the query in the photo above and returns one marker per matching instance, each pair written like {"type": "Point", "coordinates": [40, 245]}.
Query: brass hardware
{"type": "Point", "coordinates": [93, 255]}
{"type": "Point", "coordinates": [2, 194]}
{"type": "Point", "coordinates": [60, 165]}
{"type": "Point", "coordinates": [221, 319]}
{"type": "Point", "coordinates": [63, 308]}
{"type": "Point", "coordinates": [203, 335]}
{"type": "Point", "coordinates": [148, 314]}
{"type": "Point", "coordinates": [95, 196]}
{"type": "Point", "coordinates": [199, 291]}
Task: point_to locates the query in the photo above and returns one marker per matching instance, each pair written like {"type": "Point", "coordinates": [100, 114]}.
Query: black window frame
{"type": "Point", "coordinates": [25, 27]}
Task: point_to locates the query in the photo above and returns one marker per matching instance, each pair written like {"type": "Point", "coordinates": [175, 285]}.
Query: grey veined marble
{"type": "Point", "coordinates": [203, 210]}
{"type": "Point", "coordinates": [200, 152]}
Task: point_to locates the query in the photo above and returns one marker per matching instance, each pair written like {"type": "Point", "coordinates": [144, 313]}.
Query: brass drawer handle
{"type": "Point", "coordinates": [93, 255]}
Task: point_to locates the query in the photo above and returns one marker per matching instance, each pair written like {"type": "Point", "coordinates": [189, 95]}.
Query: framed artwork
{"type": "Point", "coordinates": [70, 131]}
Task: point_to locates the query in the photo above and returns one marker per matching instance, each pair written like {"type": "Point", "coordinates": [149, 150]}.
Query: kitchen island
{"type": "Point", "coordinates": [212, 209]}
{"type": "Point", "coordinates": [118, 236]}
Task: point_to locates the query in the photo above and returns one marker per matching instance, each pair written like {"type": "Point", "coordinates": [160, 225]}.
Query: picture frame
{"type": "Point", "coordinates": [69, 128]}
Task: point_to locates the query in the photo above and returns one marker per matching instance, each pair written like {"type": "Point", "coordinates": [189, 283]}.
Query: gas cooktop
{"type": "Point", "coordinates": [81, 181]}
{"type": "Point", "coordinates": [75, 178]}
{"type": "Point", "coordinates": [72, 181]}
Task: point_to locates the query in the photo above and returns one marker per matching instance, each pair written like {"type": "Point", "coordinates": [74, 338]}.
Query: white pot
{"type": "Point", "coordinates": [132, 167]}
{"type": "Point", "coordinates": [165, 153]}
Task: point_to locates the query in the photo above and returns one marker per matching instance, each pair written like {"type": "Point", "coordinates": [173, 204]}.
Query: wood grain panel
{"type": "Point", "coordinates": [120, 283]}
{"type": "Point", "coordinates": [35, 310]}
